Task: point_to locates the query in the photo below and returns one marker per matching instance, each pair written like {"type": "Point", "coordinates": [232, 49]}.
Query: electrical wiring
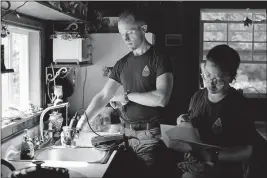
{"type": "Point", "coordinates": [87, 119]}
{"type": "Point", "coordinates": [53, 72]}
{"type": "Point", "coordinates": [108, 142]}
{"type": "Point", "coordinates": [84, 86]}
{"type": "Point", "coordinates": [14, 10]}
{"type": "Point", "coordinates": [48, 92]}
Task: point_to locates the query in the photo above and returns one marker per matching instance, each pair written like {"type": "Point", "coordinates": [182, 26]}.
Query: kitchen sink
{"type": "Point", "coordinates": [83, 154]}
{"type": "Point", "coordinates": [79, 154]}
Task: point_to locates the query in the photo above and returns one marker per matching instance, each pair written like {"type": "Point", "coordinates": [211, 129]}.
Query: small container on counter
{"type": "Point", "coordinates": [27, 147]}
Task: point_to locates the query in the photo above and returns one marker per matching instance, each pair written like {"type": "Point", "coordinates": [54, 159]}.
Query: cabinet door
{"type": "Point", "coordinates": [67, 49]}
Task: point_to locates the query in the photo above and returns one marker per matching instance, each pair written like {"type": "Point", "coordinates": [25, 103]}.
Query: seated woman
{"type": "Point", "coordinates": [220, 114]}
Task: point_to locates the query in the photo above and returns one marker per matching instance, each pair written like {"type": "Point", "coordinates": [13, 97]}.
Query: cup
{"type": "Point", "coordinates": [67, 136]}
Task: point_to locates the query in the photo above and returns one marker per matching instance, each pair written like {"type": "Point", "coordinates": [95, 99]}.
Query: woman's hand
{"type": "Point", "coordinates": [182, 118]}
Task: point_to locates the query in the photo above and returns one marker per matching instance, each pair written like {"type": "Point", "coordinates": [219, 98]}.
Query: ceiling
{"type": "Point", "coordinates": [108, 8]}
{"type": "Point", "coordinates": [37, 10]}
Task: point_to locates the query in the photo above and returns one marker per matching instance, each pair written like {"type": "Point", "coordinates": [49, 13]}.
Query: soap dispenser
{"type": "Point", "coordinates": [27, 148]}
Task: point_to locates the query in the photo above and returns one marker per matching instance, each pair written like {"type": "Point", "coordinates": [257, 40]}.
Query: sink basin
{"type": "Point", "coordinates": [81, 154]}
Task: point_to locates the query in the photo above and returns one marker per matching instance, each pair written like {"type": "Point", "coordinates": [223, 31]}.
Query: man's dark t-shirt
{"type": "Point", "coordinates": [139, 74]}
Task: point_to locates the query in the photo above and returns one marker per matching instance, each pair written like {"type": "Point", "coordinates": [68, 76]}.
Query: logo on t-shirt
{"type": "Point", "coordinates": [146, 71]}
{"type": "Point", "coordinates": [217, 126]}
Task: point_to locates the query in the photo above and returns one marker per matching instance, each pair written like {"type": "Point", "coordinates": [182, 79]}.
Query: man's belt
{"type": "Point", "coordinates": [141, 126]}
{"type": "Point", "coordinates": [138, 125]}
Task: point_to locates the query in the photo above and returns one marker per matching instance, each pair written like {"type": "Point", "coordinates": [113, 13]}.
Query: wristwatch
{"type": "Point", "coordinates": [214, 156]}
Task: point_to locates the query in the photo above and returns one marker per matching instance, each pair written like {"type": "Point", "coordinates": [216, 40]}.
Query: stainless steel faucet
{"type": "Point", "coordinates": [48, 109]}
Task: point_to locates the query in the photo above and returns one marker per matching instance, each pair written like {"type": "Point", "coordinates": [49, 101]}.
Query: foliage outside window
{"type": "Point", "coordinates": [16, 87]}
{"type": "Point", "coordinates": [227, 27]}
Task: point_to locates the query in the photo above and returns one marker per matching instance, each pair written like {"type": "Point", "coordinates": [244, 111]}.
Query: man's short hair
{"type": "Point", "coordinates": [226, 58]}
{"type": "Point", "coordinates": [133, 15]}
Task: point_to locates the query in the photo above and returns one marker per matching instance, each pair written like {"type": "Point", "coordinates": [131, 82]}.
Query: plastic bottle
{"type": "Point", "coordinates": [27, 148]}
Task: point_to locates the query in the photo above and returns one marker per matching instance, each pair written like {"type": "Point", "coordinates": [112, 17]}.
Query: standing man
{"type": "Point", "coordinates": [147, 78]}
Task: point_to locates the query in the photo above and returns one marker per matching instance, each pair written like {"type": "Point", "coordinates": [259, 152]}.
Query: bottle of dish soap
{"type": "Point", "coordinates": [27, 148]}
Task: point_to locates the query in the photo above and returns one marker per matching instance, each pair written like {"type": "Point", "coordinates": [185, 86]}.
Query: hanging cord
{"type": "Point", "coordinates": [84, 86]}
{"type": "Point", "coordinates": [87, 119]}
{"type": "Point", "coordinates": [53, 72]}
{"type": "Point", "coordinates": [14, 10]}
{"type": "Point", "coordinates": [48, 91]}
{"type": "Point", "coordinates": [108, 144]}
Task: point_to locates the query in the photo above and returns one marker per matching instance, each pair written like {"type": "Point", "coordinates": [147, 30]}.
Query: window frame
{"type": "Point", "coordinates": [14, 129]}
{"type": "Point", "coordinates": [253, 52]}
{"type": "Point", "coordinates": [24, 64]}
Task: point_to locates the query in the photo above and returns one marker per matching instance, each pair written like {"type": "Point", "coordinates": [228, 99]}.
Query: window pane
{"type": "Point", "coordinates": [214, 36]}
{"type": "Point", "coordinates": [260, 16]}
{"type": "Point", "coordinates": [241, 46]}
{"type": "Point", "coordinates": [239, 27]}
{"type": "Point", "coordinates": [5, 77]}
{"type": "Point", "coordinates": [238, 16]}
{"type": "Point", "coordinates": [260, 46]}
{"type": "Point", "coordinates": [260, 27]}
{"type": "Point", "coordinates": [240, 36]}
{"type": "Point", "coordinates": [15, 58]}
{"type": "Point", "coordinates": [260, 36]}
{"type": "Point", "coordinates": [215, 26]}
{"type": "Point", "coordinates": [209, 45]}
{"type": "Point", "coordinates": [213, 16]}
{"type": "Point", "coordinates": [16, 55]}
{"type": "Point", "coordinates": [259, 57]}
{"type": "Point", "coordinates": [251, 76]}
{"type": "Point", "coordinates": [245, 57]}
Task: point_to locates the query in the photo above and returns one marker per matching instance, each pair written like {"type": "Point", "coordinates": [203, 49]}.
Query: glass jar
{"type": "Point", "coordinates": [56, 119]}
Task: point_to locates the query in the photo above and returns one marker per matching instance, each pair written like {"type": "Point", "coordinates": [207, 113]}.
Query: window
{"type": "Point", "coordinates": [227, 27]}
{"type": "Point", "coordinates": [15, 90]}
{"type": "Point", "coordinates": [19, 89]}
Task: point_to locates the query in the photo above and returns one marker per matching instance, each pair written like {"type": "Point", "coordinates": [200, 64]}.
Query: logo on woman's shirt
{"type": "Point", "coordinates": [217, 126]}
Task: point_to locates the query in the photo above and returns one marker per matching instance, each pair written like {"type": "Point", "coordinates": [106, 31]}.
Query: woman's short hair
{"type": "Point", "coordinates": [225, 58]}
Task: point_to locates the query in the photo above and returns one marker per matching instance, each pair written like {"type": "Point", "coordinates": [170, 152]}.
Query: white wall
{"type": "Point", "coordinates": [107, 49]}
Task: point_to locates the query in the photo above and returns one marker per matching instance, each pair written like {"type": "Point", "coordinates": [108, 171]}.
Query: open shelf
{"type": "Point", "coordinates": [43, 10]}
{"type": "Point", "coordinates": [81, 64]}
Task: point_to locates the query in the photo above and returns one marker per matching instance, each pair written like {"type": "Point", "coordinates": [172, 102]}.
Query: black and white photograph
{"type": "Point", "coordinates": [133, 89]}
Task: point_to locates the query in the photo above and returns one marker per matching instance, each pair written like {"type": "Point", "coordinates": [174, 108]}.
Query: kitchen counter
{"type": "Point", "coordinates": [96, 170]}
{"type": "Point", "coordinates": [77, 169]}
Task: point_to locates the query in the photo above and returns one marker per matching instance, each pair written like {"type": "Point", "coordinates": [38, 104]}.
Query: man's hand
{"type": "Point", "coordinates": [118, 100]}
{"type": "Point", "coordinates": [182, 118]}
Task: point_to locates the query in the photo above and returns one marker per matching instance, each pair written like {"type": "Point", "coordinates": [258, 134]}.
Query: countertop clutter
{"type": "Point", "coordinates": [82, 168]}
{"type": "Point", "coordinates": [76, 168]}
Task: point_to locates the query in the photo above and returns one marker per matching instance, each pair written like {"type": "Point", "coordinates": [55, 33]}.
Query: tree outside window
{"type": "Point", "coordinates": [227, 27]}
